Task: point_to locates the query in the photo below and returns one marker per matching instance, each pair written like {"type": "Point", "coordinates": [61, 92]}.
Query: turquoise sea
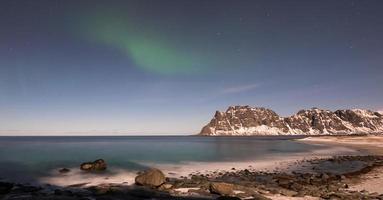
{"type": "Point", "coordinates": [25, 158]}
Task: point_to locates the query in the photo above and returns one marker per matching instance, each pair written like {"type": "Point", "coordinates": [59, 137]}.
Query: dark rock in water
{"type": "Point", "coordinates": [5, 187]}
{"type": "Point", "coordinates": [97, 165]}
{"type": "Point", "coordinates": [64, 170]}
{"type": "Point", "coordinates": [152, 177]}
{"type": "Point", "coordinates": [86, 166]}
{"type": "Point", "coordinates": [222, 188]}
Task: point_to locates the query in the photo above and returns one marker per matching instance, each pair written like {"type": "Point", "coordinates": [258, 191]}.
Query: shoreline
{"type": "Point", "coordinates": [314, 180]}
{"type": "Point", "coordinates": [187, 169]}
{"type": "Point", "coordinates": [371, 143]}
{"type": "Point", "coordinates": [346, 169]}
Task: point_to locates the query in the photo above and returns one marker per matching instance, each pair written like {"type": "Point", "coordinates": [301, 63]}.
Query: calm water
{"type": "Point", "coordinates": [26, 157]}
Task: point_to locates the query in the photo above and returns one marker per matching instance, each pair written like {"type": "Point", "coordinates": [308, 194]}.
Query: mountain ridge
{"type": "Point", "coordinates": [246, 120]}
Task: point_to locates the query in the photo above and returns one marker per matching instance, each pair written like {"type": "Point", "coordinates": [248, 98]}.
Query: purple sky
{"type": "Point", "coordinates": [164, 67]}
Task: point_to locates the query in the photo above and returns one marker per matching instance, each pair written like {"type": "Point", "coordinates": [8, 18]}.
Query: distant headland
{"type": "Point", "coordinates": [247, 121]}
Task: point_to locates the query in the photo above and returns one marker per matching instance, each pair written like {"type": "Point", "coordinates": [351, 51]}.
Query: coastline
{"type": "Point", "coordinates": [370, 143]}
{"type": "Point", "coordinates": [187, 169]}
{"type": "Point", "coordinates": [344, 169]}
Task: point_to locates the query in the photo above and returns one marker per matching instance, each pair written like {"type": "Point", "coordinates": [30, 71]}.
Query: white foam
{"type": "Point", "coordinates": [78, 177]}
{"type": "Point", "coordinates": [124, 176]}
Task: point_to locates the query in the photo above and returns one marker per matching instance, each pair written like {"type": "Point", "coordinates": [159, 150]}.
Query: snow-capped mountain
{"type": "Point", "coordinates": [246, 120]}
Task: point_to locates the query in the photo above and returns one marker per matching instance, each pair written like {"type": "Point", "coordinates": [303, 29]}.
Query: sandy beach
{"type": "Point", "coordinates": [370, 181]}
{"type": "Point", "coordinates": [373, 144]}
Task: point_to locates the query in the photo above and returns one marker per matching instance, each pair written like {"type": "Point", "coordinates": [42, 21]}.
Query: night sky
{"type": "Point", "coordinates": [164, 67]}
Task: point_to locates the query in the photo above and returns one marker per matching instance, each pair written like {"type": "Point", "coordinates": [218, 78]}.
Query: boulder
{"type": "Point", "coordinates": [152, 177]}
{"type": "Point", "coordinates": [224, 189]}
{"type": "Point", "coordinates": [97, 165]}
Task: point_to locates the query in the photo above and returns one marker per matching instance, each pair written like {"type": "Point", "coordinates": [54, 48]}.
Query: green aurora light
{"type": "Point", "coordinates": [146, 48]}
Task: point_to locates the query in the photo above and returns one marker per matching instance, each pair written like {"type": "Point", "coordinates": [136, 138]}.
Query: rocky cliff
{"type": "Point", "coordinates": [246, 120]}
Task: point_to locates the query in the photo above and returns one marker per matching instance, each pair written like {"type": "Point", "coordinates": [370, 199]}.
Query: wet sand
{"type": "Point", "coordinates": [370, 181]}
{"type": "Point", "coordinates": [372, 144]}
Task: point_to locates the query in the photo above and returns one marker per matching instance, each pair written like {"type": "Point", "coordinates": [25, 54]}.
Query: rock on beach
{"type": "Point", "coordinates": [152, 177]}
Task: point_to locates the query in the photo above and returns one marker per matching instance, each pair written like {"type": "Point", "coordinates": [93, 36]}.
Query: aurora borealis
{"type": "Point", "coordinates": [164, 66]}
{"type": "Point", "coordinates": [149, 52]}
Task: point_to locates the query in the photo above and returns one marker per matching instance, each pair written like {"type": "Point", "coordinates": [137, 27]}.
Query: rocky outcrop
{"type": "Point", "coordinates": [152, 177]}
{"type": "Point", "coordinates": [246, 120]}
{"type": "Point", "coordinates": [97, 165]}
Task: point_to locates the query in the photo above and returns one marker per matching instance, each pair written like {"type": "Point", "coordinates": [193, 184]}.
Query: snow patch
{"type": "Point", "coordinates": [239, 120]}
